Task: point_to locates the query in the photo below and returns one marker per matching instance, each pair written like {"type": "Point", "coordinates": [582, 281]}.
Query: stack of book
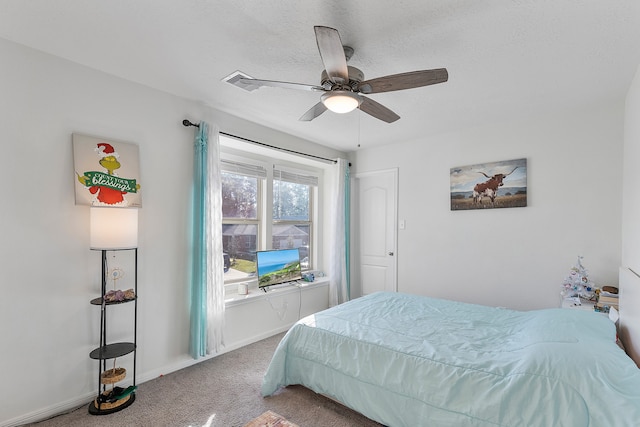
{"type": "Point", "coordinates": [608, 298]}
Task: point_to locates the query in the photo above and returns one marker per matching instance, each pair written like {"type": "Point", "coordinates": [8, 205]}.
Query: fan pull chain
{"type": "Point", "coordinates": [359, 127]}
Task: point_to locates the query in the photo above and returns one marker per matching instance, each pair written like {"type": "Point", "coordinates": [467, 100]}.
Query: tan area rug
{"type": "Point", "coordinates": [270, 419]}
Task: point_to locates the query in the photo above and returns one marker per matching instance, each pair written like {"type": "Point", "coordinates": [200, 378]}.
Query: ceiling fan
{"type": "Point", "coordinates": [344, 86]}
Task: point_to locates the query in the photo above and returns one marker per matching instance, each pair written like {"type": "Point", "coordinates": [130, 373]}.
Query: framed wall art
{"type": "Point", "coordinates": [107, 173]}
{"type": "Point", "coordinates": [489, 185]}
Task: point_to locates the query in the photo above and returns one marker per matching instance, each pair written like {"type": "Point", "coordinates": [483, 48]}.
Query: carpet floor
{"type": "Point", "coordinates": [270, 419]}
{"type": "Point", "coordinates": [220, 392]}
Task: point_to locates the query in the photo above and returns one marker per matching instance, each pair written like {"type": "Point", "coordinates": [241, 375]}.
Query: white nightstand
{"type": "Point", "coordinates": [576, 303]}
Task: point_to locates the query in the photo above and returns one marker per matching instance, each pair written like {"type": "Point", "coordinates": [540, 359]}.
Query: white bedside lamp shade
{"type": "Point", "coordinates": [114, 228]}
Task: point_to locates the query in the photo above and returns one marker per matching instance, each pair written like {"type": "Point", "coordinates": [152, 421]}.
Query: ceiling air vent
{"type": "Point", "coordinates": [234, 79]}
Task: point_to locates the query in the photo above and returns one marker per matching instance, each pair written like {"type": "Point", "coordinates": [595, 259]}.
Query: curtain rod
{"type": "Point", "coordinates": [187, 123]}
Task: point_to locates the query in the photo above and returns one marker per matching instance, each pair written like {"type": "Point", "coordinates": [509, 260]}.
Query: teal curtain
{"type": "Point", "coordinates": [347, 227]}
{"type": "Point", "coordinates": [198, 336]}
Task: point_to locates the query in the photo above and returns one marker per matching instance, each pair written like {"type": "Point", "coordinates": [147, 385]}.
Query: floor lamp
{"type": "Point", "coordinates": [114, 229]}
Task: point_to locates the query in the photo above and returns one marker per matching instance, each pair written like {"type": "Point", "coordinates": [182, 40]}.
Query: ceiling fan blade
{"type": "Point", "coordinates": [378, 110]}
{"type": "Point", "coordinates": [313, 112]}
{"type": "Point", "coordinates": [332, 54]}
{"type": "Point", "coordinates": [251, 84]}
{"type": "Point", "coordinates": [402, 81]}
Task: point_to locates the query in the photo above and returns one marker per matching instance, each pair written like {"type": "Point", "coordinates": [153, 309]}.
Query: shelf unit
{"type": "Point", "coordinates": [116, 398]}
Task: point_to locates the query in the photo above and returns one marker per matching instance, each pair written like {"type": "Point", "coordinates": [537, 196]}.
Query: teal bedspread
{"type": "Point", "coordinates": [405, 360]}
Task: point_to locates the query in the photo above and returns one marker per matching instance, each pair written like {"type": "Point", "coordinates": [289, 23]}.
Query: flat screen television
{"type": "Point", "coordinates": [277, 266]}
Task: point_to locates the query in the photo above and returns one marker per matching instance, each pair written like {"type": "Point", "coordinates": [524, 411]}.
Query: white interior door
{"type": "Point", "coordinates": [375, 228]}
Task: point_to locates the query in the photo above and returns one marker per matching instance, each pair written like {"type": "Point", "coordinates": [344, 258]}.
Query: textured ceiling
{"type": "Point", "coordinates": [506, 59]}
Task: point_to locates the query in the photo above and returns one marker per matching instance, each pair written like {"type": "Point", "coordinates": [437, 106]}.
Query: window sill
{"type": "Point", "coordinates": [234, 299]}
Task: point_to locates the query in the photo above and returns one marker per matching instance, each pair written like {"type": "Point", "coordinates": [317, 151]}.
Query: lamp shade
{"type": "Point", "coordinates": [114, 228]}
{"type": "Point", "coordinates": [340, 101]}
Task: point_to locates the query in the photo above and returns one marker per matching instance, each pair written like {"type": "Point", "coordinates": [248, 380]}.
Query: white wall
{"type": "Point", "coordinates": [49, 275]}
{"type": "Point", "coordinates": [514, 257]}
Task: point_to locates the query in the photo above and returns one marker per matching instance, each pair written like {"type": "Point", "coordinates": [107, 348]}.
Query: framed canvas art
{"type": "Point", "coordinates": [489, 185]}
{"type": "Point", "coordinates": [107, 173]}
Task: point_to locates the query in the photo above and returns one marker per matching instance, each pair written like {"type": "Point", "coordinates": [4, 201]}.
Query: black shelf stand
{"type": "Point", "coordinates": [108, 402]}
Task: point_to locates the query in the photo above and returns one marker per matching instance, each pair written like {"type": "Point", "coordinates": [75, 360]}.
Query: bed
{"type": "Point", "coordinates": [406, 360]}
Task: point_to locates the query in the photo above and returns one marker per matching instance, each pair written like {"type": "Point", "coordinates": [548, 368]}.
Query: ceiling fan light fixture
{"type": "Point", "coordinates": [340, 101]}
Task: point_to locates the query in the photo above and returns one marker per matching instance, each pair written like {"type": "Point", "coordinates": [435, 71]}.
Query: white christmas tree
{"type": "Point", "coordinates": [577, 283]}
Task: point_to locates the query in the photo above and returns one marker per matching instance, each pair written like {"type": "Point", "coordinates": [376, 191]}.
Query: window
{"type": "Point", "coordinates": [253, 221]}
{"type": "Point", "coordinates": [241, 207]}
{"type": "Point", "coordinates": [292, 212]}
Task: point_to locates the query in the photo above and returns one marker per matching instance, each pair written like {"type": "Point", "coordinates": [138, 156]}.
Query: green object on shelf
{"type": "Point", "coordinates": [126, 392]}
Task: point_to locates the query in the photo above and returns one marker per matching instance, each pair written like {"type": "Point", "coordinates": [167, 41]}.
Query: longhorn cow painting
{"type": "Point", "coordinates": [489, 185]}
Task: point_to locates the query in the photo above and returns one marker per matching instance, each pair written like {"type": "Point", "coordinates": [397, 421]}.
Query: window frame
{"type": "Point", "coordinates": [311, 181]}
{"type": "Point", "coordinates": [265, 219]}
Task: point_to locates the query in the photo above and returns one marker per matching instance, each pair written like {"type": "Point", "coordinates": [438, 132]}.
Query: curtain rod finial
{"type": "Point", "coordinates": [187, 123]}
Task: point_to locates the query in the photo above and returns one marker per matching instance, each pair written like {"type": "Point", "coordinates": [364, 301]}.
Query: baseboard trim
{"type": "Point", "coordinates": [50, 411]}
{"type": "Point", "coordinates": [185, 363]}
{"type": "Point", "coordinates": [77, 402]}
